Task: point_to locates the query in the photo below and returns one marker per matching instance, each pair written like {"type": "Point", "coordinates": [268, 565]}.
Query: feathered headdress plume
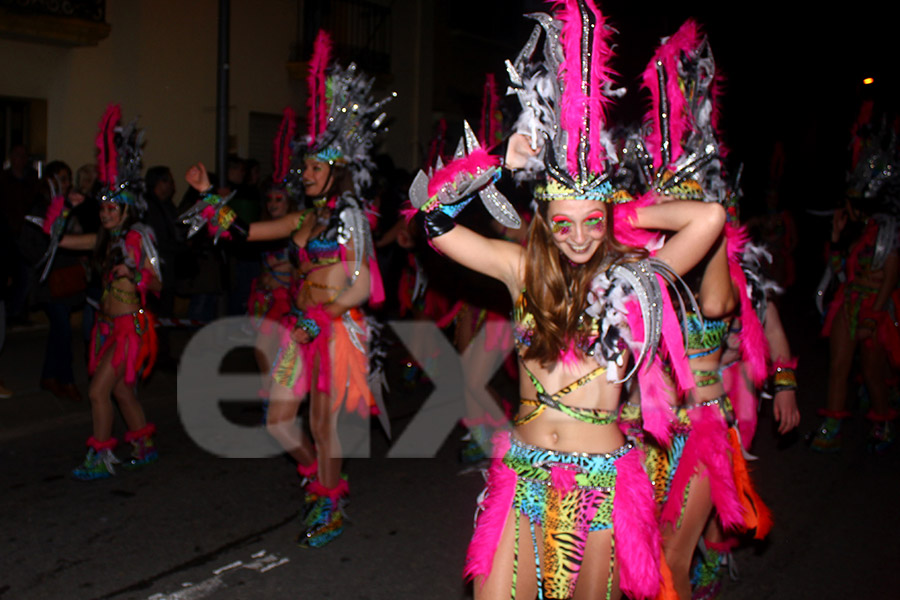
{"type": "Point", "coordinates": [281, 145]}
{"type": "Point", "coordinates": [343, 117]}
{"type": "Point", "coordinates": [681, 153]}
{"type": "Point", "coordinates": [119, 155]}
{"type": "Point", "coordinates": [585, 71]}
{"type": "Point", "coordinates": [565, 98]}
{"type": "Point", "coordinates": [107, 157]}
{"type": "Point", "coordinates": [317, 101]}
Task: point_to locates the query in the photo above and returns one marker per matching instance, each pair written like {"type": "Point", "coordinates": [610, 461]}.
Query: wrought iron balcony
{"type": "Point", "coordinates": [57, 22]}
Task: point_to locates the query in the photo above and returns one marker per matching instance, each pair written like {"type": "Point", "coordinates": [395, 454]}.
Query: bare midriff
{"type": "Point", "coordinates": [557, 431]}
{"type": "Point", "coordinates": [320, 283]}
{"type": "Point", "coordinates": [120, 298]}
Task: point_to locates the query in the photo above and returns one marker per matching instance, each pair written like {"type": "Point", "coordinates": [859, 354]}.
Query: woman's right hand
{"type": "Point", "coordinates": [197, 177]}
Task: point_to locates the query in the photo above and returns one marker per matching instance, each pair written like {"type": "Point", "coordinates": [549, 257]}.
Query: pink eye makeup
{"type": "Point", "coordinates": [560, 225]}
{"type": "Point", "coordinates": [595, 220]}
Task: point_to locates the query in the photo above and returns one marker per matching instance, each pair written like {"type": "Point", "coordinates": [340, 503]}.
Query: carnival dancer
{"type": "Point", "coordinates": [681, 158]}
{"type": "Point", "coordinates": [323, 350]}
{"type": "Point", "coordinates": [269, 298]}
{"type": "Point", "coordinates": [565, 489]}
{"type": "Point", "coordinates": [863, 256]}
{"type": "Point", "coordinates": [714, 558]}
{"type": "Point", "coordinates": [123, 340]}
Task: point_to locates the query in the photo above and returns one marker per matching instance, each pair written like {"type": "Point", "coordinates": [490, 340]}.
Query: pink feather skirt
{"type": "Point", "coordinates": [563, 497]}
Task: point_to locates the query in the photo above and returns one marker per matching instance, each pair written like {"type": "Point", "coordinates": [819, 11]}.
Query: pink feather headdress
{"type": "Point", "coordinates": [669, 116]}
{"type": "Point", "coordinates": [587, 49]}
{"type": "Point", "coordinates": [317, 102]}
{"type": "Point", "coordinates": [107, 154]}
{"type": "Point", "coordinates": [281, 151]}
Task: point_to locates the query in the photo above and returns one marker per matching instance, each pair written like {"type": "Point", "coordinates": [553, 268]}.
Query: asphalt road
{"type": "Point", "coordinates": [198, 526]}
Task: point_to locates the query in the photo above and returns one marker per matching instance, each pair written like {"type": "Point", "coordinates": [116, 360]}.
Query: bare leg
{"type": "Point", "coordinates": [101, 386]}
{"type": "Point", "coordinates": [593, 577]}
{"type": "Point", "coordinates": [841, 350]}
{"type": "Point", "coordinates": [679, 543]}
{"type": "Point", "coordinates": [875, 373]}
{"type": "Point", "coordinates": [132, 411]}
{"type": "Point", "coordinates": [266, 346]}
{"type": "Point", "coordinates": [281, 423]}
{"type": "Point", "coordinates": [499, 582]}
{"type": "Point", "coordinates": [323, 424]}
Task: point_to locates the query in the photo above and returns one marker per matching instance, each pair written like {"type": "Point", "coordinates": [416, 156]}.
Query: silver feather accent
{"type": "Point", "coordinates": [885, 240]}
{"type": "Point", "coordinates": [148, 245]}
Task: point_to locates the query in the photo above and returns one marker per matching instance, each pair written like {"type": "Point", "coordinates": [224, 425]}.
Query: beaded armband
{"type": "Point", "coordinates": [784, 376]}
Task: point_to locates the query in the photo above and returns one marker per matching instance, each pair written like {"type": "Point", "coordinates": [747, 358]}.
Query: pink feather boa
{"type": "Point", "coordinates": [317, 118]}
{"type": "Point", "coordinates": [637, 537]}
{"type": "Point", "coordinates": [706, 445]}
{"type": "Point", "coordinates": [582, 98]}
{"type": "Point", "coordinates": [656, 393]}
{"type": "Point", "coordinates": [495, 508]}
{"type": "Point", "coordinates": [107, 156]}
{"type": "Point", "coordinates": [754, 346]}
{"type": "Point", "coordinates": [685, 40]}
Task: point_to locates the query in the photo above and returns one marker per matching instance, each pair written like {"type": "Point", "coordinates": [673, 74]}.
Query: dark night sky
{"type": "Point", "coordinates": [789, 75]}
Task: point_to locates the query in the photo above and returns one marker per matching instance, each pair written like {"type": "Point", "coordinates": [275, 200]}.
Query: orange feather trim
{"type": "Point", "coordinates": [757, 515]}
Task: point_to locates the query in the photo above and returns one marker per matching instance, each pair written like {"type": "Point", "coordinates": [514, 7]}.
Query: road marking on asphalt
{"type": "Point", "coordinates": [262, 562]}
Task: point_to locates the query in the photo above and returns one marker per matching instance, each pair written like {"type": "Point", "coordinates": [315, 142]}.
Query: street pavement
{"type": "Point", "coordinates": [195, 525]}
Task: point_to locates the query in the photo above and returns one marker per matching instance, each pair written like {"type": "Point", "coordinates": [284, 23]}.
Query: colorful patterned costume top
{"type": "Point", "coordinates": [523, 332]}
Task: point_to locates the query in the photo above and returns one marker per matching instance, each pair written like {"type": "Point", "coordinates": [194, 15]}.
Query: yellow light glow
{"type": "Point", "coordinates": [868, 81]}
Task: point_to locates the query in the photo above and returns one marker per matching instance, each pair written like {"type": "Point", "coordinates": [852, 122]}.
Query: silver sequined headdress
{"type": "Point", "coordinates": [343, 117]}
{"type": "Point", "coordinates": [119, 153]}
{"type": "Point", "coordinates": [564, 97]}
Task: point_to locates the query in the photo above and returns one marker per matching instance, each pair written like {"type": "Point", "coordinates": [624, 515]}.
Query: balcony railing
{"type": "Point", "coordinates": [58, 22]}
{"type": "Point", "coordinates": [89, 10]}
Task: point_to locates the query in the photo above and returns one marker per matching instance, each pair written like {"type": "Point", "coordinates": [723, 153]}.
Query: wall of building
{"type": "Point", "coordinates": [159, 63]}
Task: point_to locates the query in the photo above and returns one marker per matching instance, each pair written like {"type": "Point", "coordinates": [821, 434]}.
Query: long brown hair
{"type": "Point", "coordinates": [556, 290]}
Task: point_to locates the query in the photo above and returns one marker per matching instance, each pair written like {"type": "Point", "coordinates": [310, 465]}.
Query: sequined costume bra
{"type": "Point", "coordinates": [523, 331]}
{"type": "Point", "coordinates": [322, 250]}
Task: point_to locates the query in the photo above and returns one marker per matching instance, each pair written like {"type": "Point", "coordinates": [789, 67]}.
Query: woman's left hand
{"type": "Point", "coordinates": [785, 410]}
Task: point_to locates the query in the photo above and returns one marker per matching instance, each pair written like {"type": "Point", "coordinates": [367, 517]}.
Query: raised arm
{"type": "Point", "coordinates": [276, 229]}
{"type": "Point", "coordinates": [696, 227]}
{"type": "Point", "coordinates": [78, 241]}
{"type": "Point", "coordinates": [499, 259]}
{"type": "Point", "coordinates": [717, 291]}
